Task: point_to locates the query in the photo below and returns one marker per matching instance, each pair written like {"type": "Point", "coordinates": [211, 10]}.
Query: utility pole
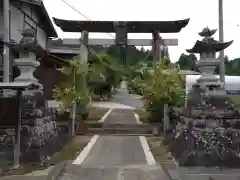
{"type": "Point", "coordinates": [221, 39]}
{"type": "Point", "coordinates": [6, 39]}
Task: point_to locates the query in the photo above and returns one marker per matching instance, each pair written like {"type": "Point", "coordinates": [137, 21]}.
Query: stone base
{"type": "Point", "coordinates": [199, 157]}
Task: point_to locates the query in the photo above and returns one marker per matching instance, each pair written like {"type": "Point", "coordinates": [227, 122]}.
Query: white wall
{"type": "Point", "coordinates": [232, 82]}
{"type": "Point", "coordinates": [17, 24]}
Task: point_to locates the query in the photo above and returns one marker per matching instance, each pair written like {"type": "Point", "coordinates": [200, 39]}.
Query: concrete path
{"type": "Point", "coordinates": [123, 97]}
{"type": "Point", "coordinates": [117, 150]}
{"type": "Point", "coordinates": [111, 105]}
{"type": "Point", "coordinates": [122, 100]}
{"type": "Point", "coordinates": [116, 157]}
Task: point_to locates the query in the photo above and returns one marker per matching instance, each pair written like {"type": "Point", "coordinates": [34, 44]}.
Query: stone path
{"type": "Point", "coordinates": [141, 172]}
{"type": "Point", "coordinates": [117, 150]}
{"type": "Point", "coordinates": [115, 157]}
{"type": "Point", "coordinates": [123, 97]}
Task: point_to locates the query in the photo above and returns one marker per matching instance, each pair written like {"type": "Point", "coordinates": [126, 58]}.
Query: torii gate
{"type": "Point", "coordinates": [121, 28]}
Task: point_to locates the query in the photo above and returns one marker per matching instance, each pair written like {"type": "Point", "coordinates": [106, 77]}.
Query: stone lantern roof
{"type": "Point", "coordinates": [208, 44]}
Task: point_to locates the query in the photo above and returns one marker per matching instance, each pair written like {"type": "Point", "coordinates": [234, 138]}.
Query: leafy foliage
{"type": "Point", "coordinates": [74, 88]}
{"type": "Point", "coordinates": [82, 80]}
{"type": "Point", "coordinates": [103, 74]}
{"type": "Point", "coordinates": [187, 62]}
{"type": "Point", "coordinates": [159, 85]}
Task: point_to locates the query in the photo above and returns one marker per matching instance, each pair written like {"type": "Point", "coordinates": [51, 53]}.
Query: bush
{"type": "Point", "coordinates": [73, 89]}
{"type": "Point", "coordinates": [159, 85]}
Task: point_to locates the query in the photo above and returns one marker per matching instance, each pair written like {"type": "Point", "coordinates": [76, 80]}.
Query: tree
{"type": "Point", "coordinates": [187, 62]}
{"type": "Point", "coordinates": [104, 74]}
{"type": "Point", "coordinates": [234, 67]}
{"type": "Point", "coordinates": [228, 68]}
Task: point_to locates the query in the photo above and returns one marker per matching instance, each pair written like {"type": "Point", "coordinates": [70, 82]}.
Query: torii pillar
{"type": "Point", "coordinates": [121, 39]}
{"type": "Point", "coordinates": [83, 59]}
{"type": "Point", "coordinates": [84, 46]}
{"type": "Point", "coordinates": [156, 46]}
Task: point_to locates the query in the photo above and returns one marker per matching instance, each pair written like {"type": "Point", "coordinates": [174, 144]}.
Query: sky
{"type": "Point", "coordinates": [202, 13]}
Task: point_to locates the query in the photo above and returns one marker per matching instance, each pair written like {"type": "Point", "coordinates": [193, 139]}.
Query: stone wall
{"type": "Point", "coordinates": [40, 137]}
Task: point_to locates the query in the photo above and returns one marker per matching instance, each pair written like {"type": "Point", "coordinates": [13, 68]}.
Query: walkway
{"type": "Point", "coordinates": [122, 100]}
{"type": "Point", "coordinates": [117, 150]}
{"type": "Point", "coordinates": [116, 157]}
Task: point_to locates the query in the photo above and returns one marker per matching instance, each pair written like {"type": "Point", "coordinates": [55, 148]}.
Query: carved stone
{"type": "Point", "coordinates": [27, 63]}
{"type": "Point", "coordinates": [39, 134]}
{"type": "Point", "coordinates": [209, 130]}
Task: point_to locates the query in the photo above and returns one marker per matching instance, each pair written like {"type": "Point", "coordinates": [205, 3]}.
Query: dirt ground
{"type": "Point", "coordinates": [159, 150]}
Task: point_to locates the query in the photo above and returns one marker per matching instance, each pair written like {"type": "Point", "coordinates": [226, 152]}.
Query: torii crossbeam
{"type": "Point", "coordinates": [121, 28]}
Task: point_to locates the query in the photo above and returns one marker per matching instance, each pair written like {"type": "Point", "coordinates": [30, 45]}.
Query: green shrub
{"type": "Point", "coordinates": [159, 85]}
{"type": "Point", "coordinates": [74, 88]}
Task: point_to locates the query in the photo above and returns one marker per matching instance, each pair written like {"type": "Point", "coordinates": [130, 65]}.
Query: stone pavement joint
{"type": "Point", "coordinates": [140, 172]}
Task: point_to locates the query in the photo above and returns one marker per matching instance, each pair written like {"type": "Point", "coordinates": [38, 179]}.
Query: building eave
{"type": "Point", "coordinates": [43, 14]}
{"type": "Point", "coordinates": [52, 30]}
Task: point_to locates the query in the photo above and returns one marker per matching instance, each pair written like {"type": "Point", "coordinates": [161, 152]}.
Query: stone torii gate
{"type": "Point", "coordinates": [121, 28]}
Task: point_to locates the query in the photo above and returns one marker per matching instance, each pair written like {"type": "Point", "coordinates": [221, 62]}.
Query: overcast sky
{"type": "Point", "coordinates": [202, 13]}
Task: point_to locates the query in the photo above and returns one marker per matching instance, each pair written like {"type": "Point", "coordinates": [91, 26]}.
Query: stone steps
{"type": "Point", "coordinates": [108, 128]}
{"type": "Point", "coordinates": [131, 172]}
{"type": "Point", "coordinates": [120, 131]}
{"type": "Point", "coordinates": [83, 172]}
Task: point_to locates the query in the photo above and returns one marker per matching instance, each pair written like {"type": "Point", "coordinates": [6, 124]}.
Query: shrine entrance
{"type": "Point", "coordinates": [121, 29]}
{"type": "Point", "coordinates": [118, 121]}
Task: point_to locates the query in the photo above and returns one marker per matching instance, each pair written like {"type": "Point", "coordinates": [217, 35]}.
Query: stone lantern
{"type": "Point", "coordinates": [38, 126]}
{"type": "Point", "coordinates": [27, 62]}
{"type": "Point", "coordinates": [208, 62]}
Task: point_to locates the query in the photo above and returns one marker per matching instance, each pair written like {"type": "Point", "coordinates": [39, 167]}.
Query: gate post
{"type": "Point", "coordinates": [83, 47]}
{"type": "Point", "coordinates": [84, 59]}
{"type": "Point", "coordinates": [121, 39]}
{"type": "Point", "coordinates": [156, 46]}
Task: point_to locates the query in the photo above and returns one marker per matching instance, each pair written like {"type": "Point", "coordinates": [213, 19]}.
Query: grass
{"type": "Point", "coordinates": [24, 169]}
{"type": "Point", "coordinates": [69, 152]}
{"type": "Point", "coordinates": [158, 149]}
{"type": "Point", "coordinates": [236, 99]}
